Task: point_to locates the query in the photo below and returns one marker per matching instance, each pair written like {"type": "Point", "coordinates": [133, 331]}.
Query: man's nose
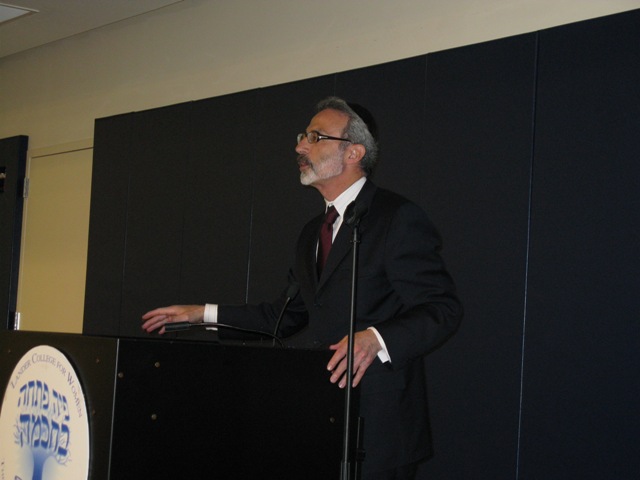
{"type": "Point", "coordinates": [303, 147]}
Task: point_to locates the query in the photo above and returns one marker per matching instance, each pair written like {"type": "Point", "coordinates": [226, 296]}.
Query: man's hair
{"type": "Point", "coordinates": [356, 130]}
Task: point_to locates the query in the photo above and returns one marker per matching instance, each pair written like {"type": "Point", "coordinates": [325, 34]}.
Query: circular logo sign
{"type": "Point", "coordinates": [44, 428]}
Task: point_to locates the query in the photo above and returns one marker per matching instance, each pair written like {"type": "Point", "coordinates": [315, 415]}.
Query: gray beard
{"type": "Point", "coordinates": [308, 177]}
{"type": "Point", "coordinates": [326, 169]}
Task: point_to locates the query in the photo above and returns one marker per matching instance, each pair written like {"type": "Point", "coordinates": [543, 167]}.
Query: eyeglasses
{"type": "Point", "coordinates": [315, 137]}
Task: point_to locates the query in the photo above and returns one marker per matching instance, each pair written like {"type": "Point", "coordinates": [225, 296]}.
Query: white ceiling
{"type": "Point", "coordinates": [51, 20]}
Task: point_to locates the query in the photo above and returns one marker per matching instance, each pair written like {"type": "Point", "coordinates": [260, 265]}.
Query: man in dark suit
{"type": "Point", "coordinates": [406, 304]}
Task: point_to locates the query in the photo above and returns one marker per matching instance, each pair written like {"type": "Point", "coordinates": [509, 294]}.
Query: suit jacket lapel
{"type": "Point", "coordinates": [310, 250]}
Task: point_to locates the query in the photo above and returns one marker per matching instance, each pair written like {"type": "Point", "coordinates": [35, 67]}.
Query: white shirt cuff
{"type": "Point", "coordinates": [210, 315]}
{"type": "Point", "coordinates": [383, 354]}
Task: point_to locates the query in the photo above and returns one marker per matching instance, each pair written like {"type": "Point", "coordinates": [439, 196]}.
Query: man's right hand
{"type": "Point", "coordinates": [159, 317]}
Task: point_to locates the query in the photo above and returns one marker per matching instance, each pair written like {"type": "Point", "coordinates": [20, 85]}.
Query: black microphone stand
{"type": "Point", "coordinates": [350, 465]}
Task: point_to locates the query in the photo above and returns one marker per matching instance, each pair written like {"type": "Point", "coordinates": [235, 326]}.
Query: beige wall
{"type": "Point", "coordinates": [203, 48]}
{"type": "Point", "coordinates": [198, 49]}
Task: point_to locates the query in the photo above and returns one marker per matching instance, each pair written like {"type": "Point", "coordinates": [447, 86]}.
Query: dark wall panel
{"type": "Point", "coordinates": [218, 204]}
{"type": "Point", "coordinates": [13, 161]}
{"type": "Point", "coordinates": [112, 159]}
{"type": "Point", "coordinates": [156, 204]}
{"type": "Point", "coordinates": [478, 136]}
{"type": "Point", "coordinates": [582, 374]}
{"type": "Point", "coordinates": [220, 166]}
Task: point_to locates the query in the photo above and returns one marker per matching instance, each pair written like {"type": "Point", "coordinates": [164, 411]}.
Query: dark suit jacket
{"type": "Point", "coordinates": [403, 290]}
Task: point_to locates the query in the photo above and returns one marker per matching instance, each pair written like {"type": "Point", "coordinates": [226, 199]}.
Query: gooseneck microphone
{"type": "Point", "coordinates": [292, 291]}
{"type": "Point", "coordinates": [178, 326]}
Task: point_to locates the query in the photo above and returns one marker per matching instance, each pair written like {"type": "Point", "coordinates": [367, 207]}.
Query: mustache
{"type": "Point", "coordinates": [303, 161]}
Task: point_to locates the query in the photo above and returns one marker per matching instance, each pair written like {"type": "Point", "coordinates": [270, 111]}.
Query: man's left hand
{"type": "Point", "coordinates": [365, 351]}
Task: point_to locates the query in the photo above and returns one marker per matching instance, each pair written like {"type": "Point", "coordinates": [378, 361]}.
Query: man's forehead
{"type": "Point", "coordinates": [329, 119]}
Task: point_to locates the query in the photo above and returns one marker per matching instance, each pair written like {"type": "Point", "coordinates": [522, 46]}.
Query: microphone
{"type": "Point", "coordinates": [292, 291]}
{"type": "Point", "coordinates": [354, 213]}
{"type": "Point", "coordinates": [179, 326]}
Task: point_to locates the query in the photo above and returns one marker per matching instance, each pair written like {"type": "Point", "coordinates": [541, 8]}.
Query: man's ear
{"type": "Point", "coordinates": [354, 153]}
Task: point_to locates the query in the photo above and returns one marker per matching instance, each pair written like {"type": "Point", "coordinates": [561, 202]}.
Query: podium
{"type": "Point", "coordinates": [183, 409]}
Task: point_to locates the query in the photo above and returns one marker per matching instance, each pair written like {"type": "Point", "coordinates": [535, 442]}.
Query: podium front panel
{"type": "Point", "coordinates": [194, 410]}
